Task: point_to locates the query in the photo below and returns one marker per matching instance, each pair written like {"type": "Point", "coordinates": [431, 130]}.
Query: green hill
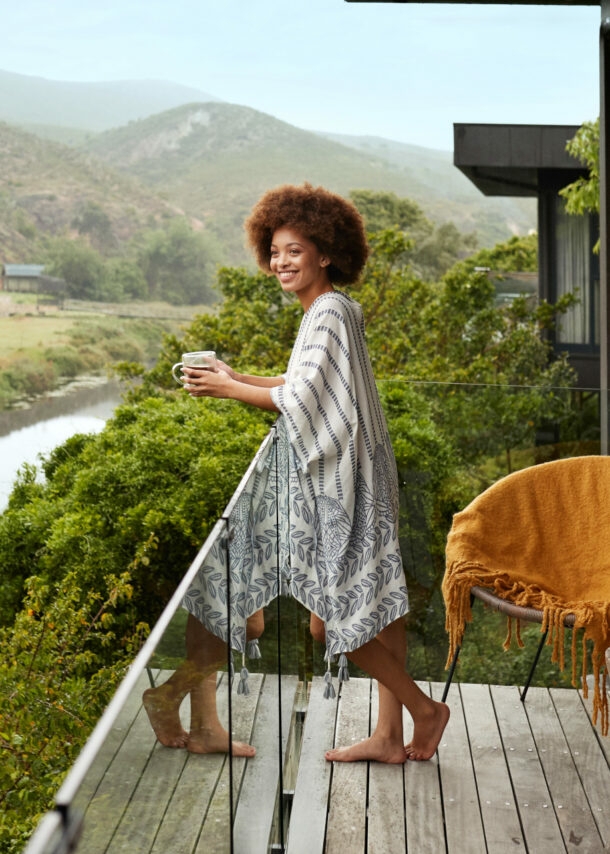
{"type": "Point", "coordinates": [208, 159]}
{"type": "Point", "coordinates": [449, 194]}
{"type": "Point", "coordinates": [215, 159]}
{"type": "Point", "coordinates": [46, 185]}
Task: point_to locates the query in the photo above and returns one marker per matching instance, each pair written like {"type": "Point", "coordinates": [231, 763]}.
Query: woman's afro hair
{"type": "Point", "coordinates": [328, 220]}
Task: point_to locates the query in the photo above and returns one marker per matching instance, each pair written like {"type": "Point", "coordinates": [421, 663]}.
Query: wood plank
{"type": "Point", "coordinates": [111, 745]}
{"type": "Point", "coordinates": [497, 803]}
{"type": "Point", "coordinates": [463, 822]}
{"type": "Point", "coordinates": [307, 829]}
{"type": "Point", "coordinates": [143, 797]}
{"type": "Point", "coordinates": [423, 797]}
{"type": "Point", "coordinates": [189, 804]}
{"type": "Point", "coordinates": [604, 740]}
{"type": "Point", "coordinates": [589, 758]}
{"type": "Point", "coordinates": [346, 829]}
{"type": "Point", "coordinates": [144, 813]}
{"type": "Point", "coordinates": [256, 805]}
{"type": "Point", "coordinates": [540, 827]}
{"type": "Point", "coordinates": [568, 799]}
{"type": "Point", "coordinates": [215, 832]}
{"type": "Point", "coordinates": [115, 791]}
{"type": "Point", "coordinates": [386, 801]}
{"type": "Point", "coordinates": [191, 796]}
{"type": "Point", "coordinates": [143, 819]}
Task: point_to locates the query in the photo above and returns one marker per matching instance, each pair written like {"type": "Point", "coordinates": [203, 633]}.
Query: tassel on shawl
{"type": "Point", "coordinates": [329, 691]}
{"type": "Point", "coordinates": [343, 673]}
{"type": "Point", "coordinates": [253, 649]}
{"type": "Point", "coordinates": [253, 652]}
{"type": "Point", "coordinates": [243, 687]}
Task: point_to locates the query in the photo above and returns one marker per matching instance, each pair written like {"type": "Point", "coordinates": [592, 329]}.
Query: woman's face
{"type": "Point", "coordinates": [299, 265]}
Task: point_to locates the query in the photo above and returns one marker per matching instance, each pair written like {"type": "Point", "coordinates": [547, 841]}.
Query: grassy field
{"type": "Point", "coordinates": [42, 346]}
{"type": "Point", "coordinates": [25, 333]}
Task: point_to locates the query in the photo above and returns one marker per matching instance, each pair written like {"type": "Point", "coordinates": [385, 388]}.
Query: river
{"type": "Point", "coordinates": [83, 406]}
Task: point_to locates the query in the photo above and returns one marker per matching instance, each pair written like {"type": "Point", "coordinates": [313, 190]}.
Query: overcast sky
{"type": "Point", "coordinates": [398, 70]}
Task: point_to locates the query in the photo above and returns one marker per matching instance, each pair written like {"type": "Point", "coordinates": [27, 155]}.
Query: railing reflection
{"type": "Point", "coordinates": [160, 772]}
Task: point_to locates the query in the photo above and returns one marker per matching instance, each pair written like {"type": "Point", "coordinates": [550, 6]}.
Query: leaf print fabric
{"type": "Point", "coordinates": [320, 517]}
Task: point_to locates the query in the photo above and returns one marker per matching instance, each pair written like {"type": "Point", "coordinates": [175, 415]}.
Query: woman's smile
{"type": "Point", "coordinates": [299, 265]}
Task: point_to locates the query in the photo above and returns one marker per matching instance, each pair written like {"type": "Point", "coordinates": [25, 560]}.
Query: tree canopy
{"type": "Point", "coordinates": [176, 263]}
{"type": "Point", "coordinates": [582, 195]}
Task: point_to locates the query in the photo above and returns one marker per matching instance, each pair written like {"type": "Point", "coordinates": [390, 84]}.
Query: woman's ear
{"type": "Point", "coordinates": [324, 262]}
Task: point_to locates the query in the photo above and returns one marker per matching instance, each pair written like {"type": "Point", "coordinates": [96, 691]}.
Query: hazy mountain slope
{"type": "Point", "coordinates": [215, 159]}
{"type": "Point", "coordinates": [458, 196]}
{"type": "Point", "coordinates": [207, 158]}
{"type": "Point", "coordinates": [44, 186]}
{"type": "Point", "coordinates": [219, 154]}
{"type": "Point", "coordinates": [31, 101]}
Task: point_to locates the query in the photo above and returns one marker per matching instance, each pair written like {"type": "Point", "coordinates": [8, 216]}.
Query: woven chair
{"type": "Point", "coordinates": [517, 612]}
{"type": "Point", "coordinates": [535, 546]}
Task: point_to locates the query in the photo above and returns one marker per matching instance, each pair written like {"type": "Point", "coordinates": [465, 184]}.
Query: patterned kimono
{"type": "Point", "coordinates": [333, 486]}
{"type": "Point", "coordinates": [344, 484]}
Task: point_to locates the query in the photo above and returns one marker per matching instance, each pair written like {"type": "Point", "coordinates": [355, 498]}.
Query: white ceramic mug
{"type": "Point", "coordinates": [203, 359]}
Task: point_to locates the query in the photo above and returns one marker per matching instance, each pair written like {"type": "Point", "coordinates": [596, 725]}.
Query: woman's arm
{"type": "Point", "coordinates": [260, 382]}
{"type": "Point", "coordinates": [251, 379]}
{"type": "Point", "coordinates": [201, 383]}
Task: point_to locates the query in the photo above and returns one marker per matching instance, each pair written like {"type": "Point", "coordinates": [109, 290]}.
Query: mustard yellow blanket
{"type": "Point", "coordinates": [541, 538]}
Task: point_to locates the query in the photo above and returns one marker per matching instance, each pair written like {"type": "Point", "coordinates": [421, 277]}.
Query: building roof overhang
{"type": "Point", "coordinates": [509, 160]}
{"type": "Point", "coordinates": [494, 2]}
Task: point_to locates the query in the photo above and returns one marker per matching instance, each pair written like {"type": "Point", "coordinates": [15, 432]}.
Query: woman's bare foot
{"type": "Point", "coordinates": [375, 749]}
{"type": "Point", "coordinates": [217, 741]}
{"type": "Point", "coordinates": [164, 715]}
{"type": "Point", "coordinates": [427, 734]}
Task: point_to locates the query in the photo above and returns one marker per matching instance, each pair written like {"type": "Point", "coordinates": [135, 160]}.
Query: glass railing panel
{"type": "Point", "coordinates": [451, 442]}
{"type": "Point", "coordinates": [160, 765]}
{"type": "Point", "coordinates": [132, 786]}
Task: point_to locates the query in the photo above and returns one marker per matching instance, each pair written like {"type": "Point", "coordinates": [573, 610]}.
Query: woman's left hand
{"type": "Point", "coordinates": [205, 383]}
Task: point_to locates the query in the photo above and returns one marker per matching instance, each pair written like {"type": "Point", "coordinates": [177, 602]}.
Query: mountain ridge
{"type": "Point", "coordinates": [87, 105]}
{"type": "Point", "coordinates": [209, 160]}
{"type": "Point", "coordinates": [215, 159]}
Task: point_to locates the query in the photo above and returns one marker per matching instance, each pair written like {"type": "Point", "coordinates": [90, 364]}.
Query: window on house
{"type": "Point", "coordinates": [574, 274]}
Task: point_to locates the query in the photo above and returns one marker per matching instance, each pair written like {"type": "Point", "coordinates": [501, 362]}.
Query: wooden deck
{"type": "Point", "coordinates": [507, 777]}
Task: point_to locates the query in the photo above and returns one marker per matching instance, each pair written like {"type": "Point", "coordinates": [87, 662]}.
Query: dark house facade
{"type": "Point", "coordinates": [531, 160]}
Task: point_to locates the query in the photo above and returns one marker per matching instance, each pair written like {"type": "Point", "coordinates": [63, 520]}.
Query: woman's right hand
{"type": "Point", "coordinates": [226, 368]}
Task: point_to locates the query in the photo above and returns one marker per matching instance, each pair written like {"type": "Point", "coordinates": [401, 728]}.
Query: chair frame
{"type": "Point", "coordinates": [505, 606]}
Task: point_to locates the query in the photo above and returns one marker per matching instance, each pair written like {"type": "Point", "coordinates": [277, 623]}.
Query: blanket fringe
{"type": "Point", "coordinates": [459, 613]}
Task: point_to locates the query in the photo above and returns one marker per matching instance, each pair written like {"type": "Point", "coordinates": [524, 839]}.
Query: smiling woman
{"type": "Point", "coordinates": [340, 466]}
{"type": "Point", "coordinates": [299, 266]}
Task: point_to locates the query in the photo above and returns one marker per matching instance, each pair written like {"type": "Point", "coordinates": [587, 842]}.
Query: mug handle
{"type": "Point", "coordinates": [178, 379]}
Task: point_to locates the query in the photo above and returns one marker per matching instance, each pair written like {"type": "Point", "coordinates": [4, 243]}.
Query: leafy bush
{"type": "Point", "coordinates": [108, 536]}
